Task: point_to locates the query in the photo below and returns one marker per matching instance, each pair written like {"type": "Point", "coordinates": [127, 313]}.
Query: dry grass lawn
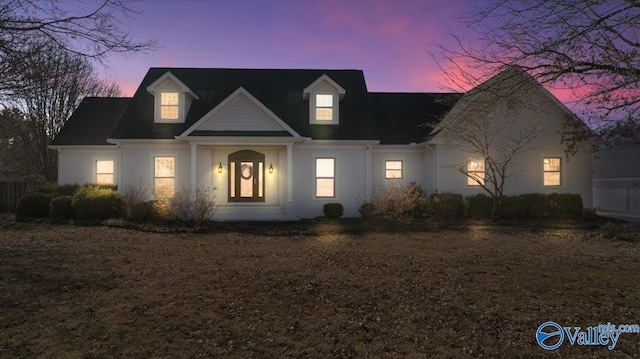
{"type": "Point", "coordinates": [98, 292]}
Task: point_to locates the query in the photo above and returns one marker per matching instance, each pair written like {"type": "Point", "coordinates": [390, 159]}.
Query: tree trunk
{"type": "Point", "coordinates": [495, 213]}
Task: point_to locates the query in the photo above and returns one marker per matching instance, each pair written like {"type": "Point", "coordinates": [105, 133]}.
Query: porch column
{"type": "Point", "coordinates": [367, 171]}
{"type": "Point", "coordinates": [194, 168]}
{"type": "Point", "coordinates": [289, 172]}
{"type": "Point", "coordinates": [290, 206]}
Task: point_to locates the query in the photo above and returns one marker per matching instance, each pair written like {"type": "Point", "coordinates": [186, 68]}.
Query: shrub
{"type": "Point", "coordinates": [367, 210]}
{"type": "Point", "coordinates": [96, 203]}
{"type": "Point", "coordinates": [67, 189]}
{"type": "Point", "coordinates": [399, 202]}
{"type": "Point", "coordinates": [60, 209]}
{"type": "Point", "coordinates": [34, 205]}
{"type": "Point", "coordinates": [446, 206]}
{"type": "Point", "coordinates": [536, 205]}
{"type": "Point", "coordinates": [333, 210]}
{"type": "Point", "coordinates": [48, 188]}
{"type": "Point", "coordinates": [193, 208]}
{"type": "Point", "coordinates": [513, 207]}
{"type": "Point", "coordinates": [136, 207]}
{"type": "Point", "coordinates": [480, 206]}
{"type": "Point", "coordinates": [565, 205]}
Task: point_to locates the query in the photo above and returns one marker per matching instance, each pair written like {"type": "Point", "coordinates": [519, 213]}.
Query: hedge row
{"type": "Point", "coordinates": [528, 206]}
{"type": "Point", "coordinates": [62, 203]}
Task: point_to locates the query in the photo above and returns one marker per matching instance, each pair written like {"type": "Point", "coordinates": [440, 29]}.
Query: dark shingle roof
{"type": "Point", "coordinates": [279, 90]}
{"type": "Point", "coordinates": [92, 122]}
{"type": "Point", "coordinates": [403, 118]}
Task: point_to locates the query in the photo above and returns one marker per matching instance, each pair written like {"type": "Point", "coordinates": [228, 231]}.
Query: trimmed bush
{"type": "Point", "coordinates": [96, 203]}
{"type": "Point", "coordinates": [34, 205]}
{"type": "Point", "coordinates": [513, 207]}
{"type": "Point", "coordinates": [446, 206]}
{"type": "Point", "coordinates": [48, 188]}
{"type": "Point", "coordinates": [333, 210]}
{"type": "Point", "coordinates": [536, 205]}
{"type": "Point", "coordinates": [367, 210]}
{"type": "Point", "coordinates": [480, 206]}
{"type": "Point", "coordinates": [566, 205]}
{"type": "Point", "coordinates": [67, 189]}
{"type": "Point", "coordinates": [60, 209]}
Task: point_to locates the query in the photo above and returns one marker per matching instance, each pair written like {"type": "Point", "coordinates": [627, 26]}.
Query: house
{"type": "Point", "coordinates": [279, 144]}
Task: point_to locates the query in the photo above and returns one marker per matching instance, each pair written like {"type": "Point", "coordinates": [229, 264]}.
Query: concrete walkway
{"type": "Point", "coordinates": [629, 216]}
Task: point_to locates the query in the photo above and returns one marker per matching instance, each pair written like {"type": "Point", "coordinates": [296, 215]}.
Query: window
{"type": "Point", "coordinates": [475, 171]}
{"type": "Point", "coordinates": [104, 172]}
{"type": "Point", "coordinates": [325, 177]}
{"type": "Point", "coordinates": [551, 171]}
{"type": "Point", "coordinates": [324, 107]}
{"type": "Point", "coordinates": [393, 170]}
{"type": "Point", "coordinates": [169, 104]}
{"type": "Point", "coordinates": [164, 177]}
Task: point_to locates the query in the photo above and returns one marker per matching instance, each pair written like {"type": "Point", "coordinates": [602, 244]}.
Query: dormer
{"type": "Point", "coordinates": [172, 99]}
{"type": "Point", "coordinates": [324, 97]}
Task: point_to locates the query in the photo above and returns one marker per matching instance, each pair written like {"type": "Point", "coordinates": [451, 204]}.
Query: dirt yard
{"type": "Point", "coordinates": [98, 292]}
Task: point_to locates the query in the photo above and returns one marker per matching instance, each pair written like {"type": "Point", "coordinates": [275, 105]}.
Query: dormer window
{"type": "Point", "coordinates": [169, 106]}
{"type": "Point", "coordinates": [324, 107]}
{"type": "Point", "coordinates": [172, 99]}
{"type": "Point", "coordinates": [324, 97]}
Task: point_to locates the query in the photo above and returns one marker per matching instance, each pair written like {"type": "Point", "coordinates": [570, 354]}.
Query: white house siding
{"type": "Point", "coordinates": [240, 114]}
{"type": "Point", "coordinates": [350, 178]}
{"type": "Point", "coordinates": [78, 165]}
{"type": "Point", "coordinates": [413, 165]}
{"type": "Point", "coordinates": [526, 170]}
{"type": "Point", "coordinates": [138, 163]}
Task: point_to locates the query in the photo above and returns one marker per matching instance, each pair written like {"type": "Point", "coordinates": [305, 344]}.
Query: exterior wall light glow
{"type": "Point", "coordinates": [271, 167]}
{"type": "Point", "coordinates": [220, 168]}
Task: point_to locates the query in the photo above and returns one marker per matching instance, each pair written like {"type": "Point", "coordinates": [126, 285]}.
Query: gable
{"type": "Point", "coordinates": [510, 98]}
{"type": "Point", "coordinates": [241, 114]}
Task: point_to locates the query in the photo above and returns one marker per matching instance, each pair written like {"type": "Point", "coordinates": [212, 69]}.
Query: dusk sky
{"type": "Point", "coordinates": [389, 40]}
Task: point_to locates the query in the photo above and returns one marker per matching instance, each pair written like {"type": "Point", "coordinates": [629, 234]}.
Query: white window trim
{"type": "Point", "coordinates": [158, 106]}
{"type": "Point", "coordinates": [95, 168]}
{"type": "Point", "coordinates": [152, 174]}
{"type": "Point", "coordinates": [336, 108]}
{"type": "Point", "coordinates": [315, 179]}
{"type": "Point", "coordinates": [467, 177]}
{"type": "Point", "coordinates": [563, 179]}
{"type": "Point", "coordinates": [401, 170]}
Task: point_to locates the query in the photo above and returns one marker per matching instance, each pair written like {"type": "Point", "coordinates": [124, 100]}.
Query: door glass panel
{"type": "Point", "coordinates": [246, 179]}
{"type": "Point", "coordinates": [232, 181]}
{"type": "Point", "coordinates": [260, 179]}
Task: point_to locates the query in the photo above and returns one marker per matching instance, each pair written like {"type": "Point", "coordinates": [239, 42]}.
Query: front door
{"type": "Point", "coordinates": [246, 176]}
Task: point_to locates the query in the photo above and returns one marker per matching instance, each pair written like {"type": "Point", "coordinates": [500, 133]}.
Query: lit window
{"type": "Point", "coordinates": [324, 107]}
{"type": "Point", "coordinates": [325, 177]}
{"type": "Point", "coordinates": [551, 171]}
{"type": "Point", "coordinates": [475, 171]}
{"type": "Point", "coordinates": [393, 170]}
{"type": "Point", "coordinates": [169, 105]}
{"type": "Point", "coordinates": [104, 172]}
{"type": "Point", "coordinates": [164, 177]}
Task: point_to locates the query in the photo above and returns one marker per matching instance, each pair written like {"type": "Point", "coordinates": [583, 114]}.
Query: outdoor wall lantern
{"type": "Point", "coordinates": [220, 168]}
{"type": "Point", "coordinates": [271, 167]}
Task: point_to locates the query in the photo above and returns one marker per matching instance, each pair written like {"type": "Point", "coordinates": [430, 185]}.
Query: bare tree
{"type": "Point", "coordinates": [589, 46]}
{"type": "Point", "coordinates": [54, 82]}
{"type": "Point", "coordinates": [492, 125]}
{"type": "Point", "coordinates": [90, 29]}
